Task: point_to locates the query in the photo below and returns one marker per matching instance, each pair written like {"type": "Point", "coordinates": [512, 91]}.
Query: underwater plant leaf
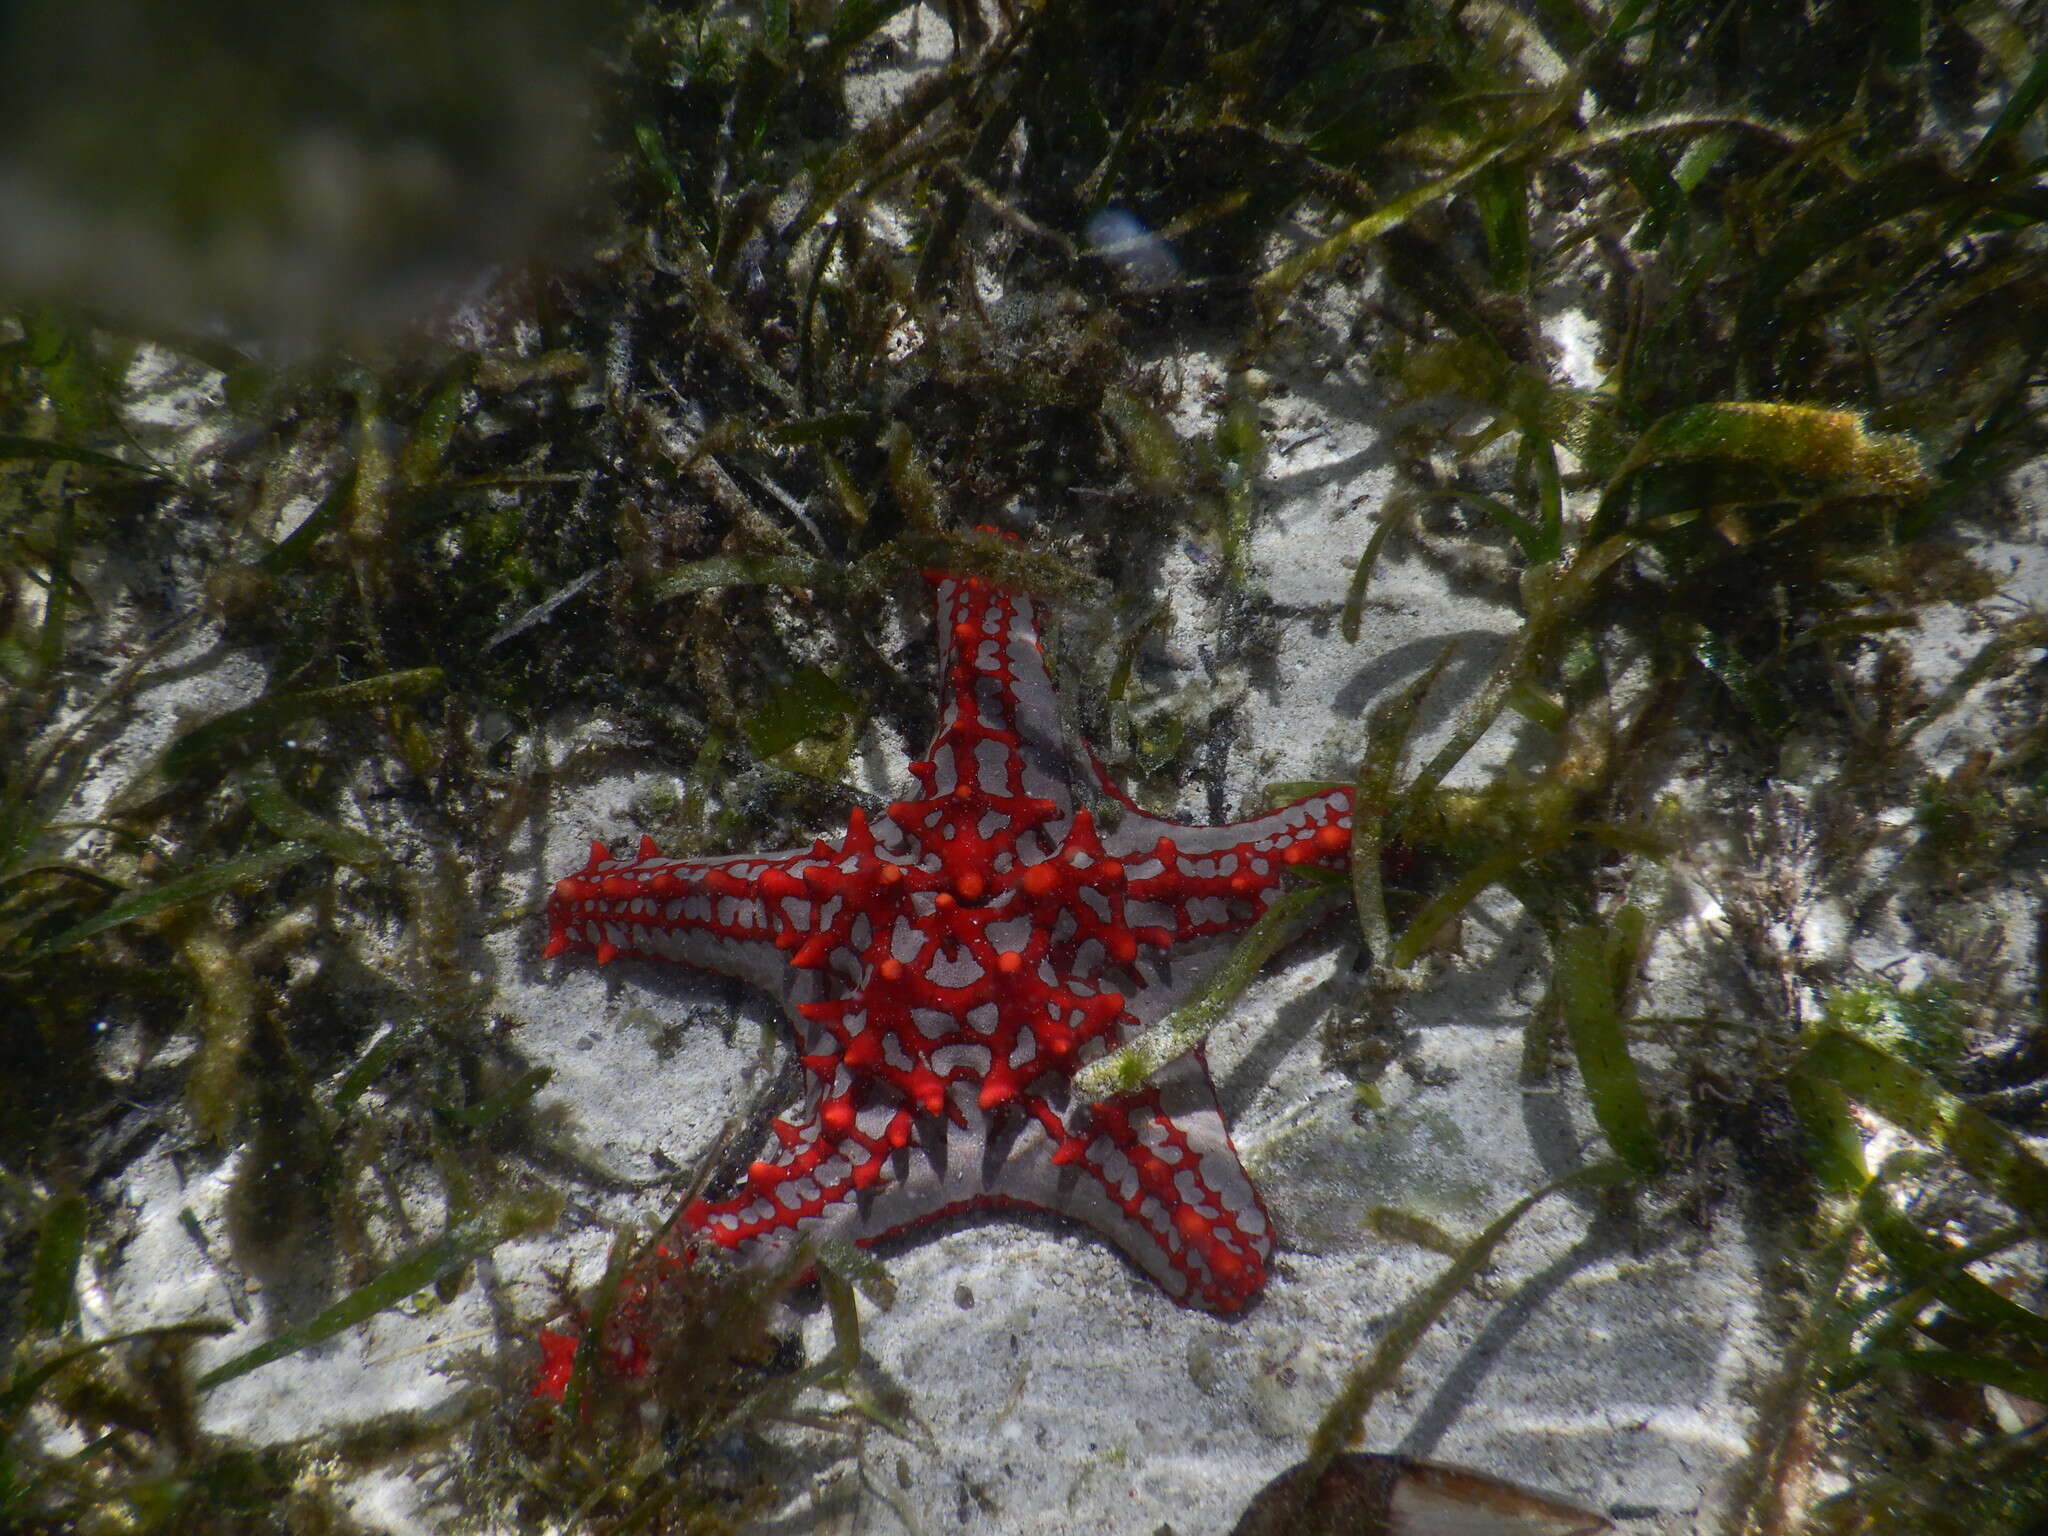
{"type": "Point", "coordinates": [1447, 904]}
{"type": "Point", "coordinates": [1393, 722]}
{"type": "Point", "coordinates": [370, 1066]}
{"type": "Point", "coordinates": [1399, 1226]}
{"type": "Point", "coordinates": [1344, 1421]}
{"type": "Point", "coordinates": [57, 608]}
{"type": "Point", "coordinates": [1127, 651]}
{"type": "Point", "coordinates": [1625, 130]}
{"type": "Point", "coordinates": [1547, 542]}
{"type": "Point", "coordinates": [16, 447]}
{"type": "Point", "coordinates": [502, 374]}
{"type": "Point", "coordinates": [35, 869]}
{"type": "Point", "coordinates": [1663, 199]}
{"type": "Point", "coordinates": [888, 146]}
{"type": "Point", "coordinates": [648, 137]}
{"type": "Point", "coordinates": [214, 878]}
{"type": "Point", "coordinates": [1390, 521]}
{"type": "Point", "coordinates": [1829, 451]}
{"type": "Point", "coordinates": [463, 1242]}
{"type": "Point", "coordinates": [2021, 632]}
{"type": "Point", "coordinates": [845, 1356]}
{"type": "Point", "coordinates": [604, 1302]}
{"type": "Point", "coordinates": [698, 785]}
{"type": "Point", "coordinates": [1554, 594]}
{"type": "Point", "coordinates": [1527, 532]}
{"type": "Point", "coordinates": [291, 550]}
{"type": "Point", "coordinates": [911, 482]}
{"type": "Point", "coordinates": [1240, 445]}
{"type": "Point", "coordinates": [712, 316]}
{"type": "Point", "coordinates": [746, 571]}
{"type": "Point", "coordinates": [1538, 705]}
{"type": "Point", "coordinates": [1934, 1266]}
{"type": "Point", "coordinates": [808, 703]}
{"type": "Point", "coordinates": [1541, 539]}
{"type": "Point", "coordinates": [1829, 1136]}
{"type": "Point", "coordinates": [1588, 992]}
{"type": "Point", "coordinates": [292, 822]}
{"type": "Point", "coordinates": [859, 1268]}
{"type": "Point", "coordinates": [1913, 182]}
{"type": "Point", "coordinates": [434, 429]}
{"type": "Point", "coordinates": [1912, 1100]}
{"type": "Point", "coordinates": [1275, 286]}
{"type": "Point", "coordinates": [1276, 794]}
{"type": "Point", "coordinates": [2020, 106]}
{"type": "Point", "coordinates": [1994, 1486]}
{"type": "Point", "coordinates": [225, 1011]}
{"type": "Point", "coordinates": [258, 722]}
{"type": "Point", "coordinates": [1131, 1065]}
{"type": "Point", "coordinates": [1960, 1365]}
{"type": "Point", "coordinates": [1700, 157]}
{"type": "Point", "coordinates": [1760, 695]}
{"type": "Point", "coordinates": [1501, 194]}
{"type": "Point", "coordinates": [1922, 1025]}
{"type": "Point", "coordinates": [28, 1380]}
{"type": "Point", "coordinates": [540, 612]}
{"type": "Point", "coordinates": [1756, 1494]}
{"type": "Point", "coordinates": [474, 1117]}
{"type": "Point", "coordinates": [1153, 455]}
{"type": "Point", "coordinates": [852, 504]}
{"type": "Point", "coordinates": [979, 552]}
{"type": "Point", "coordinates": [53, 1273]}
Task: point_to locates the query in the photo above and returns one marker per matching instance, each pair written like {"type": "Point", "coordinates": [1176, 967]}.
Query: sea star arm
{"type": "Point", "coordinates": [715, 914]}
{"type": "Point", "coordinates": [1154, 1172]}
{"type": "Point", "coordinates": [1188, 883]}
{"type": "Point", "coordinates": [999, 734]}
{"type": "Point", "coordinates": [1160, 1178]}
{"type": "Point", "coordinates": [999, 727]}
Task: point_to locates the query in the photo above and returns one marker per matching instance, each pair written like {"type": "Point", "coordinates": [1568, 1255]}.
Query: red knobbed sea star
{"type": "Point", "coordinates": [950, 964]}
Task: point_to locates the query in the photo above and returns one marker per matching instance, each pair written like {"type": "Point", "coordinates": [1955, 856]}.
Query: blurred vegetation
{"type": "Point", "coordinates": [320, 174]}
{"type": "Point", "coordinates": [859, 279]}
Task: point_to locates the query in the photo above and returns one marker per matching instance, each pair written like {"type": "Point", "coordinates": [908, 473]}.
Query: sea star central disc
{"type": "Point", "coordinates": [950, 964]}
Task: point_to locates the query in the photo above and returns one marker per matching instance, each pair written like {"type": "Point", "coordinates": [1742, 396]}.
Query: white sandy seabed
{"type": "Point", "coordinates": [1053, 1388]}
